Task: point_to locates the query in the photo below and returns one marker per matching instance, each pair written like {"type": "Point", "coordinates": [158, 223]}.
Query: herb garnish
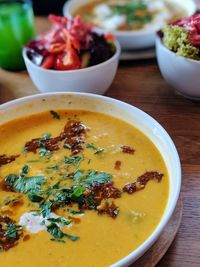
{"type": "Point", "coordinates": [35, 196]}
{"type": "Point", "coordinates": [23, 184]}
{"type": "Point", "coordinates": [75, 212]}
{"type": "Point", "coordinates": [43, 152]}
{"type": "Point", "coordinates": [12, 231]}
{"type": "Point", "coordinates": [55, 114]}
{"type": "Point", "coordinates": [57, 233]}
{"type": "Point", "coordinates": [135, 12]}
{"type": "Point", "coordinates": [33, 161]}
{"type": "Point", "coordinates": [60, 220]}
{"type": "Point", "coordinates": [46, 209]}
{"type": "Point", "coordinates": [74, 160]}
{"type": "Point", "coordinates": [96, 150]}
{"type": "Point", "coordinates": [45, 137]}
{"type": "Point", "coordinates": [94, 177]}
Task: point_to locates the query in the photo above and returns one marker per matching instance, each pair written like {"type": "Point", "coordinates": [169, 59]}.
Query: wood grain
{"type": "Point", "coordinates": [140, 84]}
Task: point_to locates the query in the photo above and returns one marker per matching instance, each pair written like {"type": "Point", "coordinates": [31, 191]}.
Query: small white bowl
{"type": "Point", "coordinates": [96, 79]}
{"type": "Point", "coordinates": [181, 73]}
{"type": "Point", "coordinates": [130, 114]}
{"type": "Point", "coordinates": [139, 39]}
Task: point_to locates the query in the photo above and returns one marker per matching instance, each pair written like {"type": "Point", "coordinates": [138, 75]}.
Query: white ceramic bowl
{"type": "Point", "coordinates": [151, 128]}
{"type": "Point", "coordinates": [96, 79]}
{"type": "Point", "coordinates": [140, 39]}
{"type": "Point", "coordinates": [181, 73]}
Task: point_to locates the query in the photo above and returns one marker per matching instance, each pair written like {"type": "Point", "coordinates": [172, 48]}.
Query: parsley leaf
{"type": "Point", "coordinates": [25, 169]}
{"type": "Point", "coordinates": [46, 209]}
{"type": "Point", "coordinates": [53, 167]}
{"type": "Point", "coordinates": [74, 160]}
{"type": "Point", "coordinates": [45, 137]}
{"type": "Point", "coordinates": [57, 233]}
{"type": "Point", "coordinates": [12, 230]}
{"type": "Point", "coordinates": [60, 220]}
{"type": "Point", "coordinates": [78, 191]}
{"type": "Point", "coordinates": [35, 196]}
{"type": "Point", "coordinates": [33, 161]}
{"type": "Point", "coordinates": [71, 237]}
{"type": "Point", "coordinates": [67, 146]}
{"type": "Point", "coordinates": [77, 174]}
{"type": "Point", "coordinates": [23, 184]}
{"type": "Point", "coordinates": [74, 212]}
{"type": "Point", "coordinates": [93, 177]}
{"type": "Point", "coordinates": [26, 184]}
{"type": "Point", "coordinates": [43, 152]}
{"type": "Point", "coordinates": [96, 150]}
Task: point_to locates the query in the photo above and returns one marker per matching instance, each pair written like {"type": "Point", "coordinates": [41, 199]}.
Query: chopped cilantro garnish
{"type": "Point", "coordinates": [77, 174]}
{"type": "Point", "coordinates": [71, 237]}
{"type": "Point", "coordinates": [26, 184]}
{"type": "Point", "coordinates": [33, 161]}
{"type": "Point", "coordinates": [60, 220]}
{"type": "Point", "coordinates": [136, 12]}
{"type": "Point", "coordinates": [78, 191]}
{"type": "Point", "coordinates": [46, 209]}
{"type": "Point", "coordinates": [35, 196]}
{"type": "Point", "coordinates": [25, 169]}
{"type": "Point", "coordinates": [23, 184]}
{"type": "Point", "coordinates": [74, 212]}
{"type": "Point", "coordinates": [56, 185]}
{"type": "Point", "coordinates": [93, 177]}
{"type": "Point", "coordinates": [57, 233]}
{"type": "Point", "coordinates": [53, 167]}
{"type": "Point", "coordinates": [55, 114]}
{"type": "Point", "coordinates": [43, 151]}
{"type": "Point", "coordinates": [45, 137]}
{"type": "Point", "coordinates": [96, 150]}
{"type": "Point", "coordinates": [12, 230]}
{"type": "Point", "coordinates": [68, 146]}
{"type": "Point", "coordinates": [74, 160]}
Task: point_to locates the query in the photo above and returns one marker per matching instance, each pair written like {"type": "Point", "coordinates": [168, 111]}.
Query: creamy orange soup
{"type": "Point", "coordinates": [77, 188]}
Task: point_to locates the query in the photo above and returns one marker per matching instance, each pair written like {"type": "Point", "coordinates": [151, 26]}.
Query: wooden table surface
{"type": "Point", "coordinates": [140, 84]}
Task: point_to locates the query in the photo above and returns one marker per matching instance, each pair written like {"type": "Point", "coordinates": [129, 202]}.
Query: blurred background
{"type": "Point", "coordinates": [44, 7]}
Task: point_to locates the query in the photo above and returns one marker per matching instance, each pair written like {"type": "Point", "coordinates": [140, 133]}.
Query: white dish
{"type": "Point", "coordinates": [131, 39]}
{"type": "Point", "coordinates": [95, 79]}
{"type": "Point", "coordinates": [151, 128]}
{"type": "Point", "coordinates": [181, 73]}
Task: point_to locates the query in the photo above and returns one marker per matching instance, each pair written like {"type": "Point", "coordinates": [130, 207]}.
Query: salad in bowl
{"type": "Point", "coordinates": [70, 44]}
{"type": "Point", "coordinates": [178, 54]}
{"type": "Point", "coordinates": [183, 37]}
{"type": "Point", "coordinates": [72, 57]}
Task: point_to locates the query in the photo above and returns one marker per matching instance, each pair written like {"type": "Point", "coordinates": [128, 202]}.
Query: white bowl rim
{"type": "Point", "coordinates": [116, 55]}
{"type": "Point", "coordinates": [129, 33]}
{"type": "Point", "coordinates": [168, 212]}
{"type": "Point", "coordinates": [159, 42]}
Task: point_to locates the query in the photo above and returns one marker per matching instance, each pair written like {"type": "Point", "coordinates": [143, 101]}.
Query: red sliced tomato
{"type": "Point", "coordinates": [48, 62]}
{"type": "Point", "coordinates": [57, 48]}
{"type": "Point", "coordinates": [67, 61]}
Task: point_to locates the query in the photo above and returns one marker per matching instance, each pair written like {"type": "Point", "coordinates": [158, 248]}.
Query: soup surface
{"type": "Point", "coordinates": [77, 188]}
{"type": "Point", "coordinates": [127, 15]}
